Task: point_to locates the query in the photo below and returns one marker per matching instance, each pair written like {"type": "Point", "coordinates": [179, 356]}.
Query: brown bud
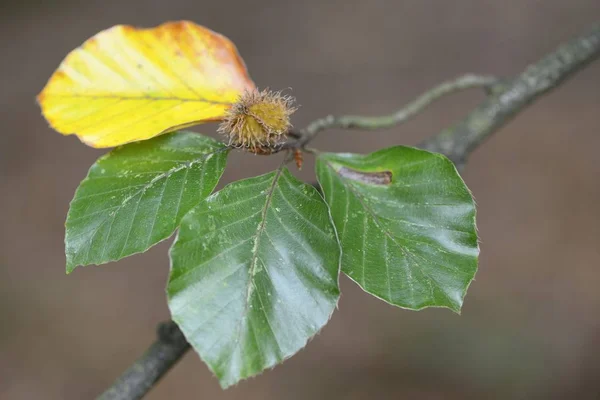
{"type": "Point", "coordinates": [258, 121]}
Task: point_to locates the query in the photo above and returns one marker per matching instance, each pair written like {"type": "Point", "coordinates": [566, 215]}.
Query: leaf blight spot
{"type": "Point", "coordinates": [371, 178]}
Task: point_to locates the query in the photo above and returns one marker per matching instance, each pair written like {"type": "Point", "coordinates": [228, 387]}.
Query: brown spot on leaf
{"type": "Point", "coordinates": [371, 178]}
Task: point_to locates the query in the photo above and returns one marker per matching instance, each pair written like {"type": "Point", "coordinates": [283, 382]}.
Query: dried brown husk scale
{"type": "Point", "coordinates": [258, 121]}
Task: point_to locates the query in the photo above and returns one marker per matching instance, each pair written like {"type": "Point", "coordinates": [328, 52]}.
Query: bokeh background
{"type": "Point", "coordinates": [530, 327]}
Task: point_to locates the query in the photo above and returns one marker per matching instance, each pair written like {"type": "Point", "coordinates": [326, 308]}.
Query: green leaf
{"type": "Point", "coordinates": [406, 222]}
{"type": "Point", "coordinates": [135, 196]}
{"type": "Point", "coordinates": [254, 274]}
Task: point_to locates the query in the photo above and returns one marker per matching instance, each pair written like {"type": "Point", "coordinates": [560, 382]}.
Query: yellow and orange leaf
{"type": "Point", "coordinates": [127, 84]}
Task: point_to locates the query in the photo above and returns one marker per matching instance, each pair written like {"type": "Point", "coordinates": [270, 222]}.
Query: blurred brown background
{"type": "Point", "coordinates": [530, 327]}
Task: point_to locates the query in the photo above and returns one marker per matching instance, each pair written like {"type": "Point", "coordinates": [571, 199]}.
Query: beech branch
{"type": "Point", "coordinates": [169, 347]}
{"type": "Point", "coordinates": [505, 99]}
{"type": "Point", "coordinates": [458, 141]}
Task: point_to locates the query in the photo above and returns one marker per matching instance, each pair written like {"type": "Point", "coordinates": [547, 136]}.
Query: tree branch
{"type": "Point", "coordinates": [458, 141]}
{"type": "Point", "coordinates": [505, 101]}
{"type": "Point", "coordinates": [148, 369]}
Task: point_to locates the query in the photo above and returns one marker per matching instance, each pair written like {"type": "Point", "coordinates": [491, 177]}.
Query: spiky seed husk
{"type": "Point", "coordinates": [258, 121]}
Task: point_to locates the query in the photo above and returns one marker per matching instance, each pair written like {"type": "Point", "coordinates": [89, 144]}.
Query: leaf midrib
{"type": "Point", "coordinates": [138, 98]}
{"type": "Point", "coordinates": [255, 247]}
{"type": "Point", "coordinates": [259, 231]}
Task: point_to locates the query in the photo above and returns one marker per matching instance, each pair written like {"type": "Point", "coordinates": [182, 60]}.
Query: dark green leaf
{"type": "Point", "coordinates": [254, 274]}
{"type": "Point", "coordinates": [406, 222]}
{"type": "Point", "coordinates": [135, 196]}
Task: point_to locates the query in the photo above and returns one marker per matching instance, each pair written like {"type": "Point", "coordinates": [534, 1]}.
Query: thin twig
{"type": "Point", "coordinates": [457, 142]}
{"type": "Point", "coordinates": [411, 109]}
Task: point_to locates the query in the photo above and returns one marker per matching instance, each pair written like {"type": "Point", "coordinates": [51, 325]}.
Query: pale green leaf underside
{"type": "Point", "coordinates": [254, 274]}
{"type": "Point", "coordinates": [406, 222]}
{"type": "Point", "coordinates": [135, 196]}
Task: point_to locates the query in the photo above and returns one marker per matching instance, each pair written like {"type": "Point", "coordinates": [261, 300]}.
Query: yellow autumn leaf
{"type": "Point", "coordinates": [127, 84]}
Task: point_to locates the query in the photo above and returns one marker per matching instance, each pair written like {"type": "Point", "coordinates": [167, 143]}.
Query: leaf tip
{"type": "Point", "coordinates": [70, 268]}
{"type": "Point", "coordinates": [225, 383]}
{"type": "Point", "coordinates": [40, 97]}
{"type": "Point", "coordinates": [91, 141]}
{"type": "Point", "coordinates": [456, 308]}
